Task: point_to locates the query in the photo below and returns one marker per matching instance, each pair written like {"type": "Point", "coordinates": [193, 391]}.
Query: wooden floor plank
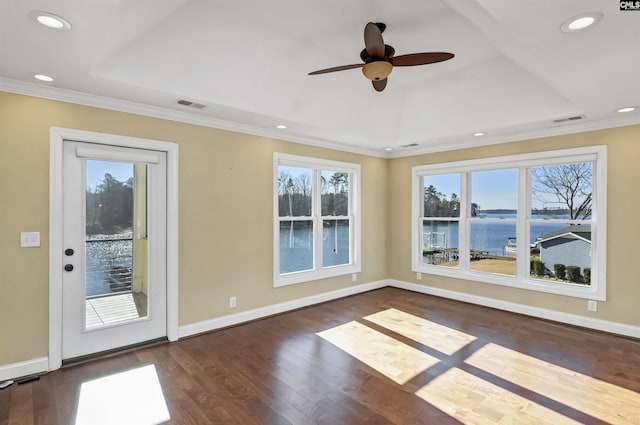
{"type": "Point", "coordinates": [384, 357]}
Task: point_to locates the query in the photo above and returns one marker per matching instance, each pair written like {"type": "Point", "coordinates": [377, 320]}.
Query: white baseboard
{"type": "Point", "coordinates": [249, 315]}
{"type": "Point", "coordinates": [41, 364]}
{"type": "Point", "coordinates": [29, 367]}
{"type": "Point", "coordinates": [557, 316]}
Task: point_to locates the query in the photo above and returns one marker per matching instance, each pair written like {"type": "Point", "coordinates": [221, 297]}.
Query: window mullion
{"type": "Point", "coordinates": [316, 209]}
{"type": "Point", "coordinates": [522, 223]}
{"type": "Point", "coordinates": [463, 225]}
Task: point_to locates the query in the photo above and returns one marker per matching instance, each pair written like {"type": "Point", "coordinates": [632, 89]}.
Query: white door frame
{"type": "Point", "coordinates": [56, 249]}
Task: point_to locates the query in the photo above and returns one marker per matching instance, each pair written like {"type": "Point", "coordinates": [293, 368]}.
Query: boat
{"type": "Point", "coordinates": [511, 248]}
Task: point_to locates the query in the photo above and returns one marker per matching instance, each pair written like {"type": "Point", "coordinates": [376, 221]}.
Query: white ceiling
{"type": "Point", "coordinates": [247, 60]}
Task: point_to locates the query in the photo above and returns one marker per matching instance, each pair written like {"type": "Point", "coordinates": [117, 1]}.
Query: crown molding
{"type": "Point", "coordinates": [86, 99]}
{"type": "Point", "coordinates": [465, 142]}
{"type": "Point", "coordinates": [447, 144]}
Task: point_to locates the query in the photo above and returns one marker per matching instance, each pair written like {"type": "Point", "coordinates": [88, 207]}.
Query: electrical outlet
{"type": "Point", "coordinates": [592, 305]}
{"type": "Point", "coordinates": [354, 277]}
{"type": "Point", "coordinates": [419, 276]}
{"type": "Point", "coordinates": [232, 302]}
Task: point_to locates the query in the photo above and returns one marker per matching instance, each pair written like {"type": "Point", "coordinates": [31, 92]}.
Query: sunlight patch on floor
{"type": "Point", "coordinates": [395, 360]}
{"type": "Point", "coordinates": [131, 397]}
{"type": "Point", "coordinates": [608, 402]}
{"type": "Point", "coordinates": [474, 401]}
{"type": "Point", "coordinates": [430, 334]}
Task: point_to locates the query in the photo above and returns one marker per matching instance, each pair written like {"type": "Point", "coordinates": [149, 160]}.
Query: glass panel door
{"type": "Point", "coordinates": [114, 236]}
{"type": "Point", "coordinates": [116, 282]}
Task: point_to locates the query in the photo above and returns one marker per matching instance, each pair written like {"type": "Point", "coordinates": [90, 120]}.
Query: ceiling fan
{"type": "Point", "coordinates": [379, 58]}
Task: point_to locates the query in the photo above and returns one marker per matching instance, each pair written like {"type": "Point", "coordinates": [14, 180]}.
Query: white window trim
{"type": "Point", "coordinates": [596, 154]}
{"type": "Point", "coordinates": [355, 230]}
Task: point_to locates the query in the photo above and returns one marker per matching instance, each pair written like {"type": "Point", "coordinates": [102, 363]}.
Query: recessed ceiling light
{"type": "Point", "coordinates": [627, 109]}
{"type": "Point", "coordinates": [388, 149]}
{"type": "Point", "coordinates": [51, 20]}
{"type": "Point", "coordinates": [581, 21]}
{"type": "Point", "coordinates": [43, 77]}
{"type": "Point", "coordinates": [281, 126]}
{"type": "Point", "coordinates": [479, 133]}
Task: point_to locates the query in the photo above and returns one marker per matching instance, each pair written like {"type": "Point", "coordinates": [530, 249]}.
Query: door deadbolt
{"type": "Point", "coordinates": [68, 252]}
{"type": "Point", "coordinates": [68, 267]}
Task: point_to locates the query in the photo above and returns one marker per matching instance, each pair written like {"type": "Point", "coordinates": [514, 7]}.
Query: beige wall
{"type": "Point", "coordinates": [226, 236]}
{"type": "Point", "coordinates": [623, 202]}
{"type": "Point", "coordinates": [225, 227]}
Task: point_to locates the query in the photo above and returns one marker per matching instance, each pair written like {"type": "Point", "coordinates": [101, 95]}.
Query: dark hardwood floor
{"type": "Point", "coordinates": [384, 357]}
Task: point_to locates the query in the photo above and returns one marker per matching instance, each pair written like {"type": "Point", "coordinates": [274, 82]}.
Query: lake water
{"type": "Point", "coordinates": [104, 255]}
{"type": "Point", "coordinates": [296, 253]}
{"type": "Point", "coordinates": [490, 236]}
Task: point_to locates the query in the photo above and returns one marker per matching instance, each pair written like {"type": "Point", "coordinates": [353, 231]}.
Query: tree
{"type": "Point", "coordinates": [474, 209]}
{"type": "Point", "coordinates": [302, 186]}
{"type": "Point", "coordinates": [335, 199]}
{"type": "Point", "coordinates": [109, 207]}
{"type": "Point", "coordinates": [567, 184]}
{"type": "Point", "coordinates": [436, 203]}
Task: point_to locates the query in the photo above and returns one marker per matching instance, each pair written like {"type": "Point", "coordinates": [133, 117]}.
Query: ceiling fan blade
{"type": "Point", "coordinates": [373, 40]}
{"type": "Point", "coordinates": [337, 68]}
{"type": "Point", "coordinates": [414, 59]}
{"type": "Point", "coordinates": [379, 85]}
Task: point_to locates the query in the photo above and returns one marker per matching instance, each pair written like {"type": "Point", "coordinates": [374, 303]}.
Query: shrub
{"type": "Point", "coordinates": [573, 274]}
{"type": "Point", "coordinates": [537, 267]}
{"type": "Point", "coordinates": [559, 271]}
{"type": "Point", "coordinates": [587, 275]}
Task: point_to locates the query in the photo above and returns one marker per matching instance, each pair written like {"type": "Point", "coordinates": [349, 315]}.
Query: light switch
{"type": "Point", "coordinates": [29, 239]}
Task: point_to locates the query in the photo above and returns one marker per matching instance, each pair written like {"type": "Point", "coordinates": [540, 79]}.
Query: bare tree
{"type": "Point", "coordinates": [566, 184]}
{"type": "Point", "coordinates": [303, 189]}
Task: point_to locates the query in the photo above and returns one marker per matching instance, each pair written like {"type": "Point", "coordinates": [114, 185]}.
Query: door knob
{"type": "Point", "coordinates": [68, 267]}
{"type": "Point", "coordinates": [68, 252]}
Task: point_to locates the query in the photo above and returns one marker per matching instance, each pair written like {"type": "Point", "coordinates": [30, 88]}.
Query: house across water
{"type": "Point", "coordinates": [570, 246]}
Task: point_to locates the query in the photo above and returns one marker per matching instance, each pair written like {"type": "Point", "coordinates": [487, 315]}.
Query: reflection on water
{"type": "Point", "coordinates": [109, 262]}
{"type": "Point", "coordinates": [296, 245]}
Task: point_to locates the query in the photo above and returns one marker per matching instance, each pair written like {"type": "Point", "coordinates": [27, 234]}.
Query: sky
{"type": "Point", "coordinates": [96, 170]}
{"type": "Point", "coordinates": [494, 189]}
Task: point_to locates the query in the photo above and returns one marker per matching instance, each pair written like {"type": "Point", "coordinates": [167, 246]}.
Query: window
{"type": "Point", "coordinates": [317, 219]}
{"type": "Point", "coordinates": [534, 221]}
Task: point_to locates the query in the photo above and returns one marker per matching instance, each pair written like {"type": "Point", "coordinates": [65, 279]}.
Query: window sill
{"type": "Point", "coordinates": [308, 276]}
{"type": "Point", "coordinates": [539, 285]}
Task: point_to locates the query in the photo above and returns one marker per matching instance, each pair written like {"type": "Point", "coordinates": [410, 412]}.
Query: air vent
{"type": "Point", "coordinates": [191, 104]}
{"type": "Point", "coordinates": [568, 119]}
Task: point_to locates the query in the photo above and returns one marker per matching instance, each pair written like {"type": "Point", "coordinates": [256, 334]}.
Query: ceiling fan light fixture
{"type": "Point", "coordinates": [377, 70]}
